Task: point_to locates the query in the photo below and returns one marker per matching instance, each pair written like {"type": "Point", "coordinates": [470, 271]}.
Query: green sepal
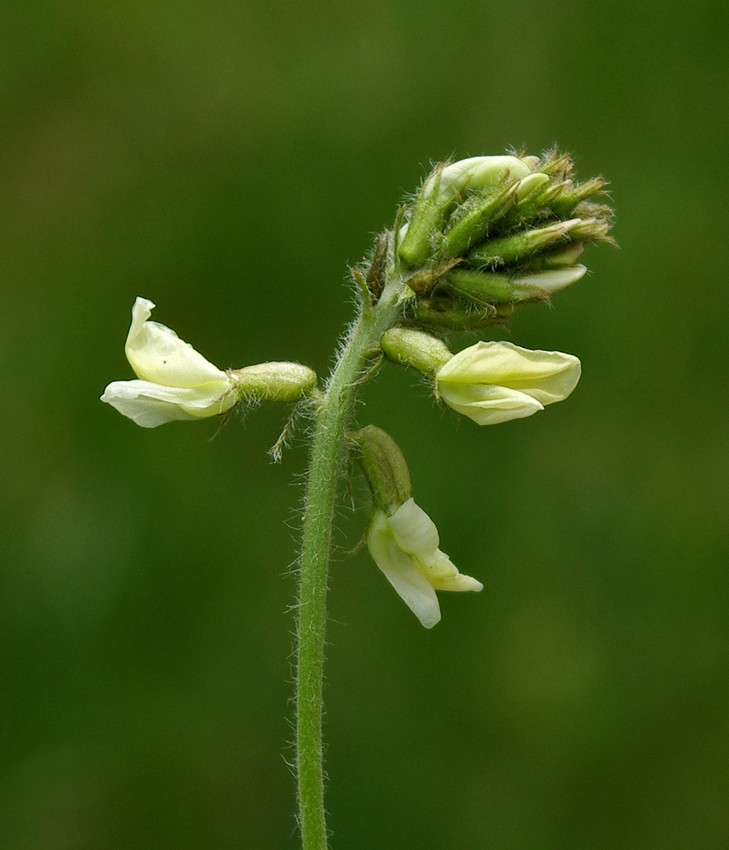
{"type": "Point", "coordinates": [420, 350]}
{"type": "Point", "coordinates": [521, 245]}
{"type": "Point", "coordinates": [384, 466]}
{"type": "Point", "coordinates": [427, 215]}
{"type": "Point", "coordinates": [451, 314]}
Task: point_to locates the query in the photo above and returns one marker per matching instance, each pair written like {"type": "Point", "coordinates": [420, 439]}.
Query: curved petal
{"type": "Point", "coordinates": [403, 573]}
{"type": "Point", "coordinates": [150, 405]}
{"type": "Point", "coordinates": [443, 574]}
{"type": "Point", "coordinates": [552, 280]}
{"type": "Point", "coordinates": [477, 172]}
{"type": "Point", "coordinates": [414, 531]}
{"type": "Point", "coordinates": [157, 354]}
{"type": "Point", "coordinates": [488, 405]}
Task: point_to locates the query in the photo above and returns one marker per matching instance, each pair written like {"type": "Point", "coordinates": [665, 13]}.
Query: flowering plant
{"type": "Point", "coordinates": [481, 237]}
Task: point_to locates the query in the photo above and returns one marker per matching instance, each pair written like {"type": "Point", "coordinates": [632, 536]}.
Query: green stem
{"type": "Point", "coordinates": [327, 457]}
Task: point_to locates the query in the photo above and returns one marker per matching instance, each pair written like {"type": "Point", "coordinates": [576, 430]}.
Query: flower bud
{"type": "Point", "coordinates": [472, 226]}
{"type": "Point", "coordinates": [453, 314]}
{"type": "Point", "coordinates": [476, 172]}
{"type": "Point", "coordinates": [520, 245]}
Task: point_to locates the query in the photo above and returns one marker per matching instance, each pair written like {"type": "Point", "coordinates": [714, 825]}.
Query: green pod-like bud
{"type": "Point", "coordinates": [473, 226]}
{"type": "Point", "coordinates": [453, 314]}
{"type": "Point", "coordinates": [273, 381]}
{"type": "Point", "coordinates": [522, 244]}
{"type": "Point", "coordinates": [384, 466]}
{"type": "Point", "coordinates": [416, 245]}
{"type": "Point", "coordinates": [571, 195]}
{"type": "Point", "coordinates": [414, 348]}
{"type": "Point", "coordinates": [480, 287]}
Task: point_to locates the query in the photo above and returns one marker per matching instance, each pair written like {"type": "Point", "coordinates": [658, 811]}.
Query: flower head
{"type": "Point", "coordinates": [493, 382]}
{"type": "Point", "coordinates": [404, 546]}
{"type": "Point", "coordinates": [174, 380]}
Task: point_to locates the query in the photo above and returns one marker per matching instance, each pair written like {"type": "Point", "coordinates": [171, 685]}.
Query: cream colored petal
{"type": "Point", "coordinates": [442, 574]}
{"type": "Point", "coordinates": [547, 376]}
{"type": "Point", "coordinates": [402, 571]}
{"type": "Point", "coordinates": [477, 172]}
{"type": "Point", "coordinates": [486, 404]}
{"type": "Point", "coordinates": [413, 530]}
{"type": "Point", "coordinates": [552, 280]}
{"type": "Point", "coordinates": [150, 405]}
{"type": "Point", "coordinates": [157, 354]}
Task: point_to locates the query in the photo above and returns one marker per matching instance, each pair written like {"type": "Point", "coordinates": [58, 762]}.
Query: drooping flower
{"type": "Point", "coordinates": [177, 382]}
{"type": "Point", "coordinates": [404, 546]}
{"type": "Point", "coordinates": [492, 382]}
{"type": "Point", "coordinates": [174, 381]}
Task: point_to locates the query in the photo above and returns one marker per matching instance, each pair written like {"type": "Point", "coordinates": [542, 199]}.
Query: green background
{"type": "Point", "coordinates": [228, 161]}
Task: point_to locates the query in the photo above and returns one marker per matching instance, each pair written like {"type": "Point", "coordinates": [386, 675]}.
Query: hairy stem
{"type": "Point", "coordinates": [325, 465]}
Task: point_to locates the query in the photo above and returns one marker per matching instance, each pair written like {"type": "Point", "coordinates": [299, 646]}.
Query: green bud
{"type": "Point", "coordinates": [451, 314]}
{"type": "Point", "coordinates": [481, 287]}
{"type": "Point", "coordinates": [384, 467]}
{"type": "Point", "coordinates": [415, 348]}
{"type": "Point", "coordinates": [571, 195]}
{"type": "Point", "coordinates": [473, 226]}
{"type": "Point", "coordinates": [488, 288]}
{"type": "Point", "coordinates": [445, 186]}
{"type": "Point", "coordinates": [273, 381]}
{"type": "Point", "coordinates": [426, 219]}
{"type": "Point", "coordinates": [521, 245]}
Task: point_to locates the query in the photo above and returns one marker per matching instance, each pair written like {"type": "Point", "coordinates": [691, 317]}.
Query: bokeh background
{"type": "Point", "coordinates": [228, 161]}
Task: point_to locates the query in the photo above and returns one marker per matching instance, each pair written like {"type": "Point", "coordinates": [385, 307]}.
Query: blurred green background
{"type": "Point", "coordinates": [228, 161]}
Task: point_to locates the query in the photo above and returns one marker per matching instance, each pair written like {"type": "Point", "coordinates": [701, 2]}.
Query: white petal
{"type": "Point", "coordinates": [157, 354]}
{"type": "Point", "coordinates": [552, 280]}
{"type": "Point", "coordinates": [402, 572]}
{"type": "Point", "coordinates": [413, 530]}
{"type": "Point", "coordinates": [476, 172]}
{"type": "Point", "coordinates": [529, 184]}
{"type": "Point", "coordinates": [150, 405]}
{"type": "Point", "coordinates": [486, 404]}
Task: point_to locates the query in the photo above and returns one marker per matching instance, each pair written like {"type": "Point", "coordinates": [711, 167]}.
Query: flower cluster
{"type": "Point", "coordinates": [482, 236]}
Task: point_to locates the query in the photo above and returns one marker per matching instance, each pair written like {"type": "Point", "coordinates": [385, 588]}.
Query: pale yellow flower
{"type": "Point", "coordinates": [492, 382]}
{"type": "Point", "coordinates": [405, 547]}
{"type": "Point", "coordinates": [174, 380]}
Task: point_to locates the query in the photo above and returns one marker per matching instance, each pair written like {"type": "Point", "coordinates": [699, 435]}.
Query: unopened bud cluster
{"type": "Point", "coordinates": [487, 233]}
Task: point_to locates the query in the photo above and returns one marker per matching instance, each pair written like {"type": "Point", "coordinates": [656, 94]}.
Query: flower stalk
{"type": "Point", "coordinates": [328, 450]}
